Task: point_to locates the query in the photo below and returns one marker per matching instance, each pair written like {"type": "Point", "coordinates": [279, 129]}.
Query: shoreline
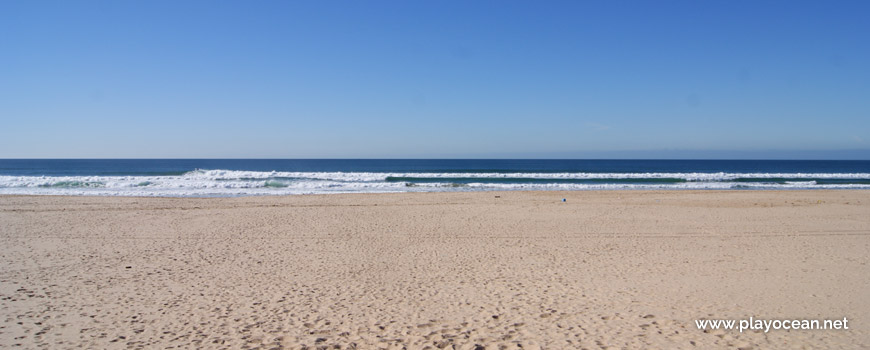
{"type": "Point", "coordinates": [497, 192]}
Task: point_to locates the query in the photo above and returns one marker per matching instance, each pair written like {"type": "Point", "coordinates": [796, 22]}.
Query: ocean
{"type": "Point", "coordinates": [244, 177]}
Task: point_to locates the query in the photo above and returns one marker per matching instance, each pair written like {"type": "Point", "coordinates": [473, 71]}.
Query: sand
{"type": "Point", "coordinates": [492, 270]}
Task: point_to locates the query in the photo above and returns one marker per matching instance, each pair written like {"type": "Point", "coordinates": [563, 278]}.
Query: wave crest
{"type": "Point", "coordinates": [217, 182]}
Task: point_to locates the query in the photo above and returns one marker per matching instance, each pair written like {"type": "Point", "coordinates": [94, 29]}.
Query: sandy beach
{"type": "Point", "coordinates": [491, 270]}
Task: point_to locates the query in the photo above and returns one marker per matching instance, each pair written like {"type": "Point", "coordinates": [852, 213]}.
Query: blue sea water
{"type": "Point", "coordinates": [239, 177]}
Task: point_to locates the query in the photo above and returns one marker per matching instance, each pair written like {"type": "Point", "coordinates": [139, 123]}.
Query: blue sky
{"type": "Point", "coordinates": [384, 79]}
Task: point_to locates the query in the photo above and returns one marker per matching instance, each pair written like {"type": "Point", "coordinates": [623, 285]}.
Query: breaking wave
{"type": "Point", "coordinates": [199, 183]}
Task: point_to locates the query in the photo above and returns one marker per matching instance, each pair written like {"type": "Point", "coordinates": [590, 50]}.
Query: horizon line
{"type": "Point", "coordinates": [473, 158]}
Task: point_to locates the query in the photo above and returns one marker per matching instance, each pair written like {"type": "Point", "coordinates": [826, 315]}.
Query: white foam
{"type": "Point", "coordinates": [375, 176]}
{"type": "Point", "coordinates": [238, 183]}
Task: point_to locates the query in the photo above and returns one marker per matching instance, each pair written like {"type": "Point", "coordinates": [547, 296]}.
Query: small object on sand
{"type": "Point", "coordinates": [564, 200]}
{"type": "Point", "coordinates": [129, 267]}
{"type": "Point", "coordinates": [497, 196]}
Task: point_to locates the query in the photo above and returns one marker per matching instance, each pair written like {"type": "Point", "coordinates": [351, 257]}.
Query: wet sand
{"type": "Point", "coordinates": [611, 269]}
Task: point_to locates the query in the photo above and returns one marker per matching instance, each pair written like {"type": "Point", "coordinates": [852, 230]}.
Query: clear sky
{"type": "Point", "coordinates": [385, 79]}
